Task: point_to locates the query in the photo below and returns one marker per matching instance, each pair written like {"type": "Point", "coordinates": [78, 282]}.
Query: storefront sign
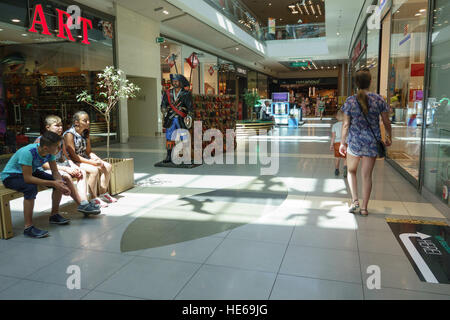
{"type": "Point", "coordinates": [241, 71]}
{"type": "Point", "coordinates": [427, 248]}
{"type": "Point", "coordinates": [309, 81]}
{"type": "Point", "coordinates": [160, 40]}
{"type": "Point", "coordinates": [298, 64]}
{"type": "Point", "coordinates": [63, 27]}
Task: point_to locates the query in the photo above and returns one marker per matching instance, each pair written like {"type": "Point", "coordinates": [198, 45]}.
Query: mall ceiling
{"type": "Point", "coordinates": [309, 11]}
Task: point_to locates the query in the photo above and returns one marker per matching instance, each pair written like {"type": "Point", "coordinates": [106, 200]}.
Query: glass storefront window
{"type": "Point", "coordinates": [42, 74]}
{"type": "Point", "coordinates": [373, 48]}
{"type": "Point", "coordinates": [406, 81]}
{"type": "Point", "coordinates": [437, 141]}
{"type": "Point", "coordinates": [208, 63]}
{"type": "Point", "coordinates": [262, 86]}
{"type": "Point", "coordinates": [252, 83]}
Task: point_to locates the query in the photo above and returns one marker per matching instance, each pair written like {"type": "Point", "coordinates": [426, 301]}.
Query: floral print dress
{"type": "Point", "coordinates": [361, 142]}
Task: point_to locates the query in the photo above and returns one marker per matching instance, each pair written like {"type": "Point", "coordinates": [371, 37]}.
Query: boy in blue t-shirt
{"type": "Point", "coordinates": [22, 174]}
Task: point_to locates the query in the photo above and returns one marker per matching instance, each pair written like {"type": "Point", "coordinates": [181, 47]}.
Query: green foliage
{"type": "Point", "coordinates": [251, 99]}
{"type": "Point", "coordinates": [114, 87]}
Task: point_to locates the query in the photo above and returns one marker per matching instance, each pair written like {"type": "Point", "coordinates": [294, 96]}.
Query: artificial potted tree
{"type": "Point", "coordinates": [113, 88]}
{"type": "Point", "coordinates": [251, 100]}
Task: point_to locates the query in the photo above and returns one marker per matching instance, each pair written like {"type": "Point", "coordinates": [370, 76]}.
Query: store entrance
{"type": "Point", "coordinates": [240, 90]}
{"type": "Point", "coordinates": [307, 93]}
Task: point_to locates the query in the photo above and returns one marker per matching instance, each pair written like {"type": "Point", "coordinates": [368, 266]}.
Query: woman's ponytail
{"type": "Point", "coordinates": [362, 80]}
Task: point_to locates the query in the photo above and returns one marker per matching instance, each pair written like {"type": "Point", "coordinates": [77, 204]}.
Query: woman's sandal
{"type": "Point", "coordinates": [364, 214]}
{"type": "Point", "coordinates": [355, 207]}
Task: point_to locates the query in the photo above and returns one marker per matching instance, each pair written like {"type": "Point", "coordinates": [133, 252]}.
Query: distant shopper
{"type": "Point", "coordinates": [336, 137]}
{"type": "Point", "coordinates": [22, 174]}
{"type": "Point", "coordinates": [264, 109]}
{"type": "Point", "coordinates": [69, 170]}
{"type": "Point", "coordinates": [362, 126]}
{"type": "Point", "coordinates": [321, 107]}
{"type": "Point", "coordinates": [78, 147]}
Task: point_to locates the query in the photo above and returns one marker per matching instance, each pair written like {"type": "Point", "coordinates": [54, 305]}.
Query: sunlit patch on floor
{"type": "Point", "coordinates": [205, 214]}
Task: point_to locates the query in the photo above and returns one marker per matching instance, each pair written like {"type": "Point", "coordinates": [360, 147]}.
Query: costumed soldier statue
{"type": "Point", "coordinates": [177, 108]}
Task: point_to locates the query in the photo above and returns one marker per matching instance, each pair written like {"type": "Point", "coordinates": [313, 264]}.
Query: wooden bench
{"type": "Point", "coordinates": [6, 195]}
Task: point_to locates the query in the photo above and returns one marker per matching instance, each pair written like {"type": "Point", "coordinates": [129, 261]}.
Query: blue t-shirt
{"type": "Point", "coordinates": [26, 156]}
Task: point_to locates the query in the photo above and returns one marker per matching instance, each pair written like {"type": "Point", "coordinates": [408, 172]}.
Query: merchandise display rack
{"type": "Point", "coordinates": [215, 112]}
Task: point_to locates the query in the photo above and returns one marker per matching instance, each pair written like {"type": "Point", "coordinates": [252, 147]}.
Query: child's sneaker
{"type": "Point", "coordinates": [34, 232]}
{"type": "Point", "coordinates": [89, 208]}
{"type": "Point", "coordinates": [336, 172]}
{"type": "Point", "coordinates": [98, 201]}
{"type": "Point", "coordinates": [58, 219]}
{"type": "Point", "coordinates": [107, 198]}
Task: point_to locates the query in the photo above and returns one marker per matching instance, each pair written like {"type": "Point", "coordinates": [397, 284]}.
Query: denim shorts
{"type": "Point", "coordinates": [16, 182]}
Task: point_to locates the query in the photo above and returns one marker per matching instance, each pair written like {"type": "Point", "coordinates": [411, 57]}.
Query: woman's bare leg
{"type": "Point", "coordinates": [367, 165]}
{"type": "Point", "coordinates": [352, 167]}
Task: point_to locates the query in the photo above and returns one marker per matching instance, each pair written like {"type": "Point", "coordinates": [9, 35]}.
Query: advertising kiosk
{"type": "Point", "coordinates": [280, 107]}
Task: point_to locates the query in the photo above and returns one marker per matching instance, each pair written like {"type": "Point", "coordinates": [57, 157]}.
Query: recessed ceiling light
{"type": "Point", "coordinates": [422, 10]}
{"type": "Point", "coordinates": [24, 34]}
{"type": "Point", "coordinates": [237, 49]}
{"type": "Point", "coordinates": [1, 29]}
{"type": "Point", "coordinates": [270, 3]}
{"type": "Point", "coordinates": [337, 33]}
{"type": "Point", "coordinates": [166, 12]}
{"type": "Point", "coordinates": [418, 14]}
{"type": "Point", "coordinates": [15, 20]}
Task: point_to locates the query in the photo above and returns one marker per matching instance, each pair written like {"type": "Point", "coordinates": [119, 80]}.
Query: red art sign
{"type": "Point", "coordinates": [211, 70]}
{"type": "Point", "coordinates": [63, 27]}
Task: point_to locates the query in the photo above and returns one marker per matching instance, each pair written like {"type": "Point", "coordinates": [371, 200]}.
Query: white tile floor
{"type": "Point", "coordinates": [307, 247]}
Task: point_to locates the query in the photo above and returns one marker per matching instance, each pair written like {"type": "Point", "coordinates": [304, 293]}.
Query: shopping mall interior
{"type": "Point", "coordinates": [261, 215]}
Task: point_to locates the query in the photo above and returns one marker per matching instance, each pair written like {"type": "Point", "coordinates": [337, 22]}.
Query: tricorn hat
{"type": "Point", "coordinates": [181, 78]}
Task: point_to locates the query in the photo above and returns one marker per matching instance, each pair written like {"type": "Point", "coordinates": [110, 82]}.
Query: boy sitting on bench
{"type": "Point", "coordinates": [22, 174]}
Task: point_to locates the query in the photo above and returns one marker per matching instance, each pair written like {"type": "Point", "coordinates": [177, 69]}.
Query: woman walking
{"type": "Point", "coordinates": [362, 126]}
{"type": "Point", "coordinates": [321, 107]}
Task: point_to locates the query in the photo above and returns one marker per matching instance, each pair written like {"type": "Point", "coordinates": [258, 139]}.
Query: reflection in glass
{"type": "Point", "coordinates": [437, 140]}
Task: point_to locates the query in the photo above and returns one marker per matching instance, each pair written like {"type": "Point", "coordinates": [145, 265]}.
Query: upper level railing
{"type": "Point", "coordinates": [239, 14]}
{"type": "Point", "coordinates": [297, 31]}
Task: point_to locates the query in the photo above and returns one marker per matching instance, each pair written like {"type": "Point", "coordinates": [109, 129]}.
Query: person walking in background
{"type": "Point", "coordinates": [336, 136]}
{"type": "Point", "coordinates": [362, 127]}
{"type": "Point", "coordinates": [321, 107]}
{"type": "Point", "coordinates": [303, 105]}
